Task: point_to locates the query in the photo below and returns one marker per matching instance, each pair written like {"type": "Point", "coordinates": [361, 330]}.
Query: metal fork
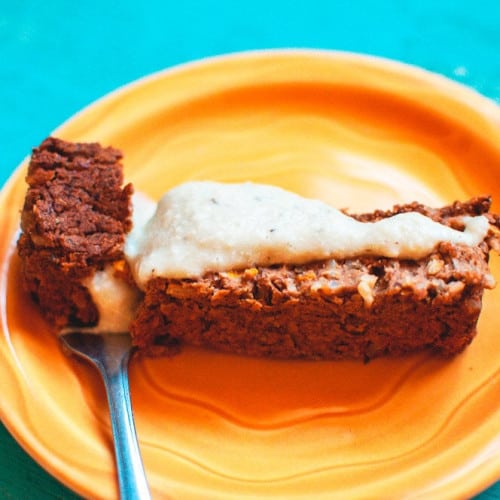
{"type": "Point", "coordinates": [110, 354]}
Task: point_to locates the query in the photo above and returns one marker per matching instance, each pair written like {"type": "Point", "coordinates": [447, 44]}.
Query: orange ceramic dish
{"type": "Point", "coordinates": [355, 131]}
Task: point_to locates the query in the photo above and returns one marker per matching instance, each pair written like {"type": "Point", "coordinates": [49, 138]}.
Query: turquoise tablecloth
{"type": "Point", "coordinates": [57, 56]}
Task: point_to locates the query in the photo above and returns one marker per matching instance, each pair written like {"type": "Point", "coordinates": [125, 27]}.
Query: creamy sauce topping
{"type": "Point", "coordinates": [208, 226]}
{"type": "Point", "coordinates": [115, 299]}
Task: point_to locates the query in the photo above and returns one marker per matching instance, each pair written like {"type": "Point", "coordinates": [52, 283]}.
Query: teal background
{"type": "Point", "coordinates": [58, 56]}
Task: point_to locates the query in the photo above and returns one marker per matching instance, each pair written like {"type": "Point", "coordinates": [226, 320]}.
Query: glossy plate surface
{"type": "Point", "coordinates": [357, 132]}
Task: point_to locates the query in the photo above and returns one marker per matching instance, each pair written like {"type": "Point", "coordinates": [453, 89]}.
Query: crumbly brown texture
{"type": "Point", "coordinates": [74, 220]}
{"type": "Point", "coordinates": [351, 309]}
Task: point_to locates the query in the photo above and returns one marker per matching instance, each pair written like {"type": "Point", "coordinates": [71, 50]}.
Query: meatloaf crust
{"type": "Point", "coordinates": [74, 221]}
{"type": "Point", "coordinates": [356, 308]}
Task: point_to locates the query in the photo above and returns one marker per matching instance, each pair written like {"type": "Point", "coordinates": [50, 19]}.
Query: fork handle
{"type": "Point", "coordinates": [131, 477]}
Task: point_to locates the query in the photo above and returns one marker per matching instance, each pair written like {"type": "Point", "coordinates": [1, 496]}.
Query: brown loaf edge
{"type": "Point", "coordinates": [357, 308]}
{"type": "Point", "coordinates": [74, 220]}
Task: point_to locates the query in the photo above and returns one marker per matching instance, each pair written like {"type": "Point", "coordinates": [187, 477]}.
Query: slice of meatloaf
{"type": "Point", "coordinates": [356, 308]}
{"type": "Point", "coordinates": [74, 220]}
{"type": "Point", "coordinates": [74, 223]}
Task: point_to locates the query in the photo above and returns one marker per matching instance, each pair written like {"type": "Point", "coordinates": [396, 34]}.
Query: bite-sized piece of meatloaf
{"type": "Point", "coordinates": [74, 220]}
{"type": "Point", "coordinates": [357, 308]}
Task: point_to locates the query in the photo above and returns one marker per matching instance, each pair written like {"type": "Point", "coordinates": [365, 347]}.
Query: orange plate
{"type": "Point", "coordinates": [355, 131]}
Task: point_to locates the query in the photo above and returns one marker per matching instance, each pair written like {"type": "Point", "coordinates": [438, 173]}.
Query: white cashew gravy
{"type": "Point", "coordinates": [207, 226]}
